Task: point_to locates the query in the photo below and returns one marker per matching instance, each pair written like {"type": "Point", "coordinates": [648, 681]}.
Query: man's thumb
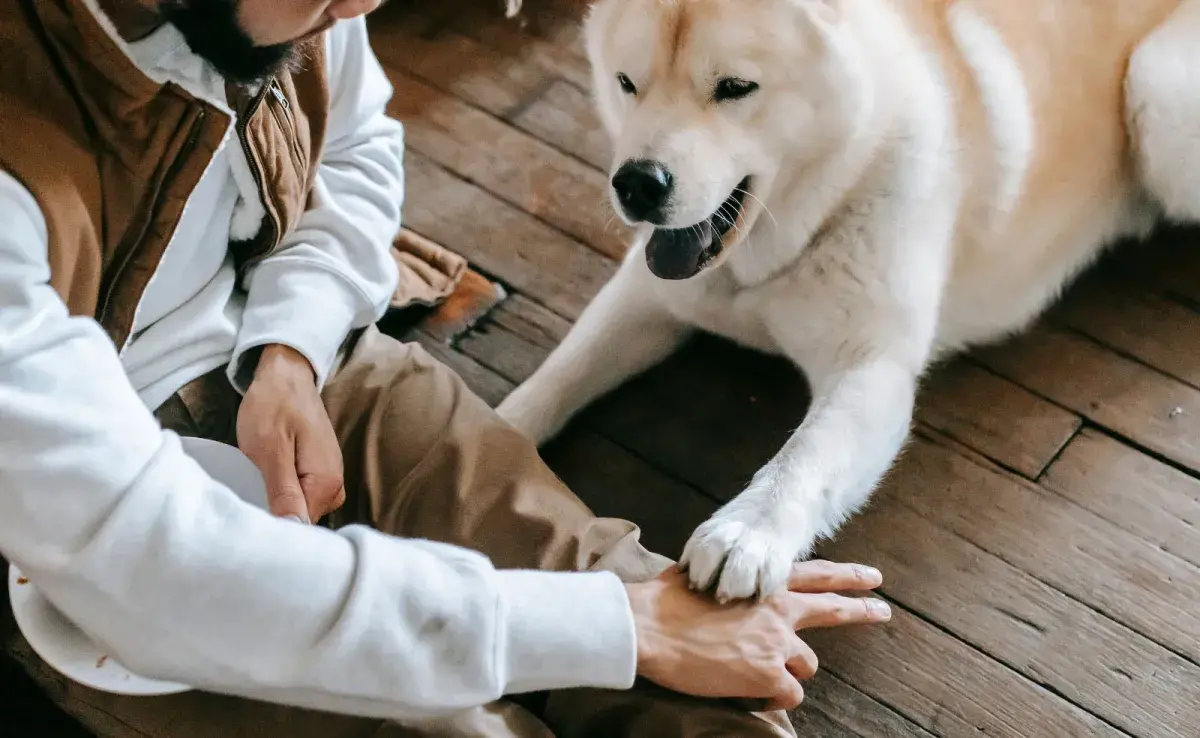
{"type": "Point", "coordinates": [285, 496]}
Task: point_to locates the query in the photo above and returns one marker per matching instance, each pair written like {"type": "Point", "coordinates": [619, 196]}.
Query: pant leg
{"type": "Point", "coordinates": [426, 458]}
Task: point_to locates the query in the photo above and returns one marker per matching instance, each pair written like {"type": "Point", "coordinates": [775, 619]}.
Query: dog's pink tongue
{"type": "Point", "coordinates": [677, 253]}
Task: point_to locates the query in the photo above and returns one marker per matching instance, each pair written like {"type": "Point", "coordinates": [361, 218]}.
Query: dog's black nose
{"type": "Point", "coordinates": [643, 188]}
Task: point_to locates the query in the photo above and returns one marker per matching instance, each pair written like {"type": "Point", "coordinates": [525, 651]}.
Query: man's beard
{"type": "Point", "coordinates": [213, 32]}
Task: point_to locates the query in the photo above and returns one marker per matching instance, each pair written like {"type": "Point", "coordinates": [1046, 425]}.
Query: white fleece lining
{"type": "Point", "coordinates": [110, 29]}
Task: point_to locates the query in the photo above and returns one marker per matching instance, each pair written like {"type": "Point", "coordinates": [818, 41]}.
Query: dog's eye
{"type": "Point", "coordinates": [627, 85]}
{"type": "Point", "coordinates": [732, 88]}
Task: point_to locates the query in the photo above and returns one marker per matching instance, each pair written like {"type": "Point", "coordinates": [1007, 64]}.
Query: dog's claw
{"type": "Point", "coordinates": [744, 561]}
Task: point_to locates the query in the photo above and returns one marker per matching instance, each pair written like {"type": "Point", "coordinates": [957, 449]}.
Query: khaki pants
{"type": "Point", "coordinates": [426, 458]}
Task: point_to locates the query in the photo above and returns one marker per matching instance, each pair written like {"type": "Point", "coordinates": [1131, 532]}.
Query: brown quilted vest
{"type": "Point", "coordinates": [111, 157]}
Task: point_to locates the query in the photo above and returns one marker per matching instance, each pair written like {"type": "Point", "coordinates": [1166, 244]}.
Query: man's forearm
{"type": "Point", "coordinates": [335, 271]}
{"type": "Point", "coordinates": [179, 579]}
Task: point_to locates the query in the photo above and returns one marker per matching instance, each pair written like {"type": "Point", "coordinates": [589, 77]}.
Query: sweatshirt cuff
{"type": "Point", "coordinates": [303, 306]}
{"type": "Point", "coordinates": [567, 630]}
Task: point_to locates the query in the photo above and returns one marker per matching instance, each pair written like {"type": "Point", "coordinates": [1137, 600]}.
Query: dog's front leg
{"type": "Point", "coordinates": [858, 421]}
{"type": "Point", "coordinates": [623, 331]}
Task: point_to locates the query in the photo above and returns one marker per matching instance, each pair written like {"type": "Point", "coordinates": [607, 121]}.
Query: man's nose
{"type": "Point", "coordinates": [643, 188]}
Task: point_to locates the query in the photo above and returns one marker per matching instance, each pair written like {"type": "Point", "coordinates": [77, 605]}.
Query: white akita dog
{"type": "Point", "coordinates": [863, 186]}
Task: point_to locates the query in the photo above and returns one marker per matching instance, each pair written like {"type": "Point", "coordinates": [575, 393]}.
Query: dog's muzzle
{"type": "Point", "coordinates": [681, 253]}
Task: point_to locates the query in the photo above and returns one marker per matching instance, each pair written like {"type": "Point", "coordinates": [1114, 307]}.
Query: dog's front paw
{"type": "Point", "coordinates": [744, 555]}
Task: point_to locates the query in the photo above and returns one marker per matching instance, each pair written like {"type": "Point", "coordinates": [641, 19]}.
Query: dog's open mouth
{"type": "Point", "coordinates": [680, 253]}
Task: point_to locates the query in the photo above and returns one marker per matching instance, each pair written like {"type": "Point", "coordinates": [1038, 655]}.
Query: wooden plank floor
{"type": "Point", "coordinates": [1039, 535]}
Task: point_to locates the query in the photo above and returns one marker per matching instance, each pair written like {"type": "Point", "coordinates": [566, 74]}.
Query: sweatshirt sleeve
{"type": "Point", "coordinates": [335, 271]}
{"type": "Point", "coordinates": [178, 579]}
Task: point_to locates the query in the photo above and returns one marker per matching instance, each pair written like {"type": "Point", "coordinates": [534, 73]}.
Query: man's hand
{"type": "Point", "coordinates": [284, 429]}
{"type": "Point", "coordinates": [691, 644]}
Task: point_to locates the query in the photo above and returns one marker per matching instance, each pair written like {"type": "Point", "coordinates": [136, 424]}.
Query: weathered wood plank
{"type": "Point", "coordinates": [529, 320]}
{"type": "Point", "coordinates": [516, 338]}
{"type": "Point", "coordinates": [1069, 548]}
{"type": "Point", "coordinates": [995, 417]}
{"type": "Point", "coordinates": [502, 241]}
{"type": "Point", "coordinates": [548, 33]}
{"type": "Point", "coordinates": [510, 164]}
{"type": "Point", "coordinates": [565, 117]}
{"type": "Point", "coordinates": [461, 66]}
{"type": "Point", "coordinates": [1134, 401]}
{"type": "Point", "coordinates": [945, 686]}
{"type": "Point", "coordinates": [844, 710]}
{"type": "Point", "coordinates": [1134, 321]}
{"type": "Point", "coordinates": [1155, 502]}
{"type": "Point", "coordinates": [1054, 640]}
{"type": "Point", "coordinates": [812, 723]}
{"type": "Point", "coordinates": [515, 88]}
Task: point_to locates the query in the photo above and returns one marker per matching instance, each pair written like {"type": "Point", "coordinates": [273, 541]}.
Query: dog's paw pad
{"type": "Point", "coordinates": [742, 560]}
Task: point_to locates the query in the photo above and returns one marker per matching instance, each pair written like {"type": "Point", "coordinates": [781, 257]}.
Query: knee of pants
{"type": "Point", "coordinates": [395, 396]}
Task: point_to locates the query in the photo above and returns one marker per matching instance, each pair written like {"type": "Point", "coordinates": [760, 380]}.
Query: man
{"type": "Point", "coordinates": [198, 199]}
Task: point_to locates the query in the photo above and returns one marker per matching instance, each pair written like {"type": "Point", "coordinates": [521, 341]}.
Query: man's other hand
{"type": "Point", "coordinates": [284, 429]}
{"type": "Point", "coordinates": [691, 644]}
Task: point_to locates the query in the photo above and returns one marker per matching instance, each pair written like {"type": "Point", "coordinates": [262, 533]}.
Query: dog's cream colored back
{"type": "Point", "coordinates": [918, 175]}
{"type": "Point", "coordinates": [1041, 86]}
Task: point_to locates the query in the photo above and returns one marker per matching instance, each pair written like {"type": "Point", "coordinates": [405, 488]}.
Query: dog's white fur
{"type": "Point", "coordinates": [928, 175]}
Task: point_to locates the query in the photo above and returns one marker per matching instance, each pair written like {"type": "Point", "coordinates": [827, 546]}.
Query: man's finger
{"type": "Point", "coordinates": [788, 694]}
{"type": "Point", "coordinates": [827, 576]}
{"type": "Point", "coordinates": [319, 463]}
{"type": "Point", "coordinates": [829, 610]}
{"type": "Point", "coordinates": [323, 495]}
{"type": "Point", "coordinates": [285, 496]}
{"type": "Point", "coordinates": [802, 662]}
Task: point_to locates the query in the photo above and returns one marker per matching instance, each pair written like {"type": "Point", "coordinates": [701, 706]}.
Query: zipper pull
{"type": "Point", "coordinates": [278, 93]}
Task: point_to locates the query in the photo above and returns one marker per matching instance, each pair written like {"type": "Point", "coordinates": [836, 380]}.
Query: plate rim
{"type": "Point", "coordinates": [150, 687]}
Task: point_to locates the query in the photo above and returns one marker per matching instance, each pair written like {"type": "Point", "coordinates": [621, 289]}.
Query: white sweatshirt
{"type": "Point", "coordinates": [169, 570]}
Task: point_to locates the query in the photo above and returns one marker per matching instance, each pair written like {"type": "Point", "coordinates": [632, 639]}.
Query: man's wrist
{"type": "Point", "coordinates": [643, 607]}
{"type": "Point", "coordinates": [277, 359]}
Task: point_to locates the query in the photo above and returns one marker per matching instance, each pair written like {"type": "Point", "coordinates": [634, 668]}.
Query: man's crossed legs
{"type": "Point", "coordinates": [426, 458]}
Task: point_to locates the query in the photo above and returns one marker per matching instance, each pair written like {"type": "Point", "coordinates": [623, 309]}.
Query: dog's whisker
{"type": "Point", "coordinates": [760, 202]}
{"type": "Point", "coordinates": [606, 204]}
{"type": "Point", "coordinates": [732, 220]}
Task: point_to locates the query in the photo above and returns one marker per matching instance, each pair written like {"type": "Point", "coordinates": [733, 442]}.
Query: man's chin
{"type": "Point", "coordinates": [312, 35]}
{"type": "Point", "coordinates": [213, 34]}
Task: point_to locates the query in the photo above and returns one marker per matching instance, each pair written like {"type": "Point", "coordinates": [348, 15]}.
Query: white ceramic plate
{"type": "Point", "coordinates": [63, 646]}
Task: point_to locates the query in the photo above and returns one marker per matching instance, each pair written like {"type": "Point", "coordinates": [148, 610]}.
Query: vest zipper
{"type": "Point", "coordinates": [287, 122]}
{"type": "Point", "coordinates": [278, 93]}
{"type": "Point", "coordinates": [244, 139]}
{"type": "Point", "coordinates": [188, 145]}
